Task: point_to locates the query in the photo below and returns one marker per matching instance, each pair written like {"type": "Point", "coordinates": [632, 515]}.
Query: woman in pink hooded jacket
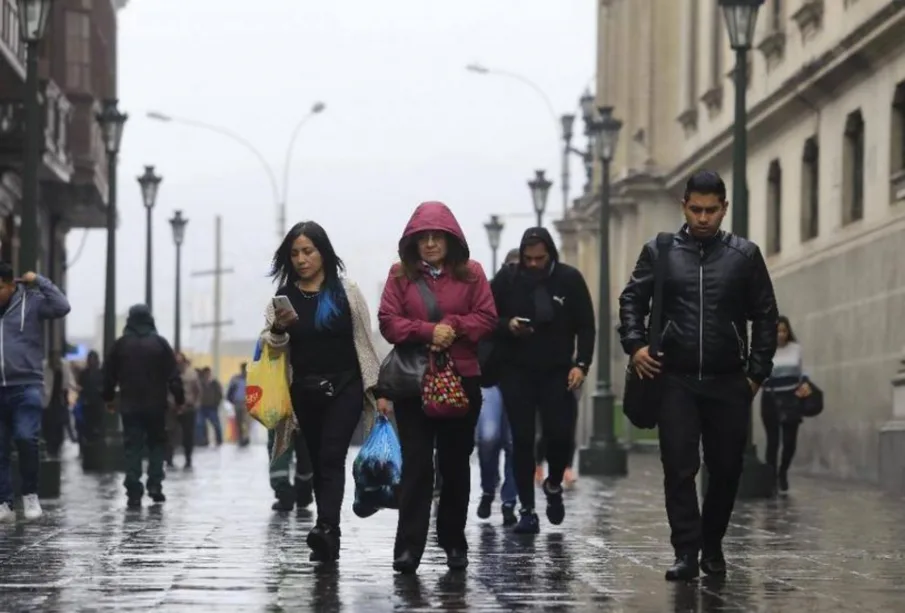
{"type": "Point", "coordinates": [433, 248]}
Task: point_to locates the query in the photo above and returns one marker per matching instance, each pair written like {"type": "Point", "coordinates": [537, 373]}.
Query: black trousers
{"type": "Point", "coordinates": [540, 449]}
{"type": "Point", "coordinates": [779, 430]}
{"type": "Point", "coordinates": [525, 393]}
{"type": "Point", "coordinates": [327, 425]}
{"type": "Point", "coordinates": [455, 439]}
{"type": "Point", "coordinates": [717, 414]}
{"type": "Point", "coordinates": [144, 429]}
{"type": "Point", "coordinates": [182, 433]}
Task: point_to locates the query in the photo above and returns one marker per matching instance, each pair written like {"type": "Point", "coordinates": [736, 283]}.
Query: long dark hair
{"type": "Point", "coordinates": [783, 320]}
{"type": "Point", "coordinates": [456, 258]}
{"type": "Point", "coordinates": [332, 296]}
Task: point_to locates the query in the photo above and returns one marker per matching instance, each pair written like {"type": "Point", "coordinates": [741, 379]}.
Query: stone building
{"type": "Point", "coordinates": [826, 180]}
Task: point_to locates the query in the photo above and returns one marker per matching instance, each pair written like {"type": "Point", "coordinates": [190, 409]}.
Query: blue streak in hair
{"type": "Point", "coordinates": [329, 304]}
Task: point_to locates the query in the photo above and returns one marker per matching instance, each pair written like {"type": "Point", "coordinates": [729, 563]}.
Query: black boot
{"type": "Point", "coordinates": [457, 559]}
{"type": "Point", "coordinates": [484, 506]}
{"type": "Point", "coordinates": [713, 562]}
{"type": "Point", "coordinates": [405, 563]}
{"type": "Point", "coordinates": [508, 510]}
{"type": "Point", "coordinates": [324, 543]}
{"type": "Point", "coordinates": [685, 568]}
{"type": "Point", "coordinates": [156, 494]}
{"type": "Point", "coordinates": [783, 481]}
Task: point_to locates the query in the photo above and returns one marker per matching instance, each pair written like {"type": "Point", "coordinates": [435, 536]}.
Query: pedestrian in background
{"type": "Point", "coordinates": [142, 365]}
{"type": "Point", "coordinates": [209, 410]}
{"type": "Point", "coordinates": [25, 305]}
{"type": "Point", "coordinates": [235, 395]}
{"type": "Point", "coordinates": [181, 419]}
{"type": "Point", "coordinates": [434, 257]}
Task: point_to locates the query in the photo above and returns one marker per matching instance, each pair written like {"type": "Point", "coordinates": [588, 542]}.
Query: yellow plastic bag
{"type": "Point", "coordinates": [267, 388]}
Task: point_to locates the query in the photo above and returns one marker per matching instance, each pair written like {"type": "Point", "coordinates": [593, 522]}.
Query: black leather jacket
{"type": "Point", "coordinates": [712, 289]}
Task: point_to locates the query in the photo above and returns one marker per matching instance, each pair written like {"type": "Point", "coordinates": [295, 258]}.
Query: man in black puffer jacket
{"type": "Point", "coordinates": [715, 284]}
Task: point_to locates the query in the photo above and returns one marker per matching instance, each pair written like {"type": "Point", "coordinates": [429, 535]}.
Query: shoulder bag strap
{"type": "Point", "coordinates": [430, 301]}
{"type": "Point", "coordinates": [664, 244]}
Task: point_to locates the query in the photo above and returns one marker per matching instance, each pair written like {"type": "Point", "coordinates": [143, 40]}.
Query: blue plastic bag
{"type": "Point", "coordinates": [377, 470]}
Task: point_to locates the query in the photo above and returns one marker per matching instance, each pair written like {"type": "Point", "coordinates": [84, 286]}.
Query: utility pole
{"type": "Point", "coordinates": [217, 273]}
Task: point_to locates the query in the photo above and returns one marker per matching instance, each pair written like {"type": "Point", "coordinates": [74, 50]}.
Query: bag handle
{"type": "Point", "coordinates": [664, 244]}
{"type": "Point", "coordinates": [434, 314]}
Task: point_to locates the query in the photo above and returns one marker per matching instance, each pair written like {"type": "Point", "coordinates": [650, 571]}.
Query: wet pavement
{"type": "Point", "coordinates": [215, 545]}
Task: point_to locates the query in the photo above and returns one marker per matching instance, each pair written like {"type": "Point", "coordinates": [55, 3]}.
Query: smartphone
{"type": "Point", "coordinates": [524, 320]}
{"type": "Point", "coordinates": [283, 303]}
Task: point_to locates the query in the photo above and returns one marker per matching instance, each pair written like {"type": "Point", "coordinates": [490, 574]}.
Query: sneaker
{"type": "Point", "coordinates": [31, 506]}
{"type": "Point", "coordinates": [509, 518]}
{"type": "Point", "coordinates": [484, 506]}
{"type": "Point", "coordinates": [556, 510]}
{"type": "Point", "coordinates": [527, 523]}
{"type": "Point", "coordinates": [6, 513]}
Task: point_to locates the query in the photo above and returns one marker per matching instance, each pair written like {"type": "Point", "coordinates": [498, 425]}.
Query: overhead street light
{"type": "Point", "coordinates": [540, 189]}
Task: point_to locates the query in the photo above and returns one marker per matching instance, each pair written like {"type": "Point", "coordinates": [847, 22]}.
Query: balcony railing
{"type": "Point", "coordinates": [57, 117]}
{"type": "Point", "coordinates": [9, 32]}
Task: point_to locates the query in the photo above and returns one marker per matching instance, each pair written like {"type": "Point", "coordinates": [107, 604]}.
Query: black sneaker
{"type": "Point", "coordinates": [284, 504]}
{"type": "Point", "coordinates": [484, 506]}
{"type": "Point", "coordinates": [556, 510]}
{"type": "Point", "coordinates": [527, 523]}
{"type": "Point", "coordinates": [509, 518]}
{"type": "Point", "coordinates": [157, 496]}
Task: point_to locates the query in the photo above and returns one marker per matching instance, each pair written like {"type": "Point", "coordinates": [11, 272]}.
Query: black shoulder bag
{"type": "Point", "coordinates": [402, 371]}
{"type": "Point", "coordinates": [642, 397]}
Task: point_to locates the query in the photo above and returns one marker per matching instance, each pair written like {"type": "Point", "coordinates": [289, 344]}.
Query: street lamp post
{"type": "Point", "coordinates": [741, 18]}
{"type": "Point", "coordinates": [586, 104]}
{"type": "Point", "coordinates": [494, 229]}
{"type": "Point", "coordinates": [106, 451]}
{"type": "Point", "coordinates": [111, 122]}
{"type": "Point", "coordinates": [604, 455]}
{"type": "Point", "coordinates": [149, 182]}
{"type": "Point", "coordinates": [540, 189]}
{"type": "Point", "coordinates": [178, 223]}
{"type": "Point", "coordinates": [33, 15]}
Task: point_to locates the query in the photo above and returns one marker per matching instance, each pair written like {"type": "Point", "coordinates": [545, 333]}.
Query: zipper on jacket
{"type": "Point", "coordinates": [741, 344]}
{"type": "Point", "coordinates": [701, 316]}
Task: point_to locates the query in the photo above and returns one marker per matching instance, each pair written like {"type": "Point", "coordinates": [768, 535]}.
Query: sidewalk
{"type": "Point", "coordinates": [215, 544]}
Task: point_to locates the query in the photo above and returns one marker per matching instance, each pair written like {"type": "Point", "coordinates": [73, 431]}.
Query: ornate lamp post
{"type": "Point", "coordinates": [540, 189]}
{"type": "Point", "coordinates": [149, 182]}
{"type": "Point", "coordinates": [741, 19]}
{"type": "Point", "coordinates": [111, 122]}
{"type": "Point", "coordinates": [33, 16]}
{"type": "Point", "coordinates": [178, 223]}
{"type": "Point", "coordinates": [494, 229]}
{"type": "Point", "coordinates": [604, 455]}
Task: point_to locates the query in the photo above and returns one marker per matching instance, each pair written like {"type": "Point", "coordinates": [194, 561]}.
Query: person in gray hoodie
{"type": "Point", "coordinates": [25, 304]}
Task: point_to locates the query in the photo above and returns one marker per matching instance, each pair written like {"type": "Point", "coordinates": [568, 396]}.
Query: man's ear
{"type": "Point", "coordinates": [725, 204]}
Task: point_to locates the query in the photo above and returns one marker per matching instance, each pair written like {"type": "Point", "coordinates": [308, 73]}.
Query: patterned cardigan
{"type": "Point", "coordinates": [367, 360]}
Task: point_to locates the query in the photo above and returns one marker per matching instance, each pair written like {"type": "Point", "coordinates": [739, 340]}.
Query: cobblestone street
{"type": "Point", "coordinates": [215, 544]}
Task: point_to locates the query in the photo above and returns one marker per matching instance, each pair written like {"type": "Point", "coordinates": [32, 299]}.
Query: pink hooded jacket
{"type": "Point", "coordinates": [467, 307]}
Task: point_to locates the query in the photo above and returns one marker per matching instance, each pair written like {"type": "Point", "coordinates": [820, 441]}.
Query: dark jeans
{"type": "Point", "coordinates": [525, 393]}
{"type": "Point", "coordinates": [455, 439]}
{"type": "Point", "coordinates": [183, 433]}
{"type": "Point", "coordinates": [211, 415]}
{"type": "Point", "coordinates": [327, 425]}
{"type": "Point", "coordinates": [715, 413]}
{"type": "Point", "coordinates": [540, 449]}
{"type": "Point", "coordinates": [779, 429]}
{"type": "Point", "coordinates": [21, 409]}
{"type": "Point", "coordinates": [142, 429]}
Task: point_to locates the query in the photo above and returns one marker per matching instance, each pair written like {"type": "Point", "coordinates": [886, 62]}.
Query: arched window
{"type": "Point", "coordinates": [853, 169]}
{"type": "Point", "coordinates": [810, 190]}
{"type": "Point", "coordinates": [774, 208]}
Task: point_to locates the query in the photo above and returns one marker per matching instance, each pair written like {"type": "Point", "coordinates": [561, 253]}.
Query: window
{"type": "Point", "coordinates": [810, 190]}
{"type": "Point", "coordinates": [78, 50]}
{"type": "Point", "coordinates": [897, 136]}
{"type": "Point", "coordinates": [774, 208]}
{"type": "Point", "coordinates": [853, 169]}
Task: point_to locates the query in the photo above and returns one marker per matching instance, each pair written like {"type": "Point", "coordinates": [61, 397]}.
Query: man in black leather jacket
{"type": "Point", "coordinates": [715, 284]}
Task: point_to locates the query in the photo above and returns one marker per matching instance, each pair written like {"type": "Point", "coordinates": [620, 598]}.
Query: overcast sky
{"type": "Point", "coordinates": [405, 122]}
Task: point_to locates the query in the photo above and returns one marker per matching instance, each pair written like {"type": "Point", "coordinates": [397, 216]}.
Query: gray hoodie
{"type": "Point", "coordinates": [22, 331]}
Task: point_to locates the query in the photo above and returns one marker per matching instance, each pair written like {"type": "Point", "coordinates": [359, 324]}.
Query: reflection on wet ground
{"type": "Point", "coordinates": [216, 545]}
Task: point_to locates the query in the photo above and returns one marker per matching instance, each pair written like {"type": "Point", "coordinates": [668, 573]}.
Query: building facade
{"type": "Point", "coordinates": [826, 179]}
{"type": "Point", "coordinates": [77, 69]}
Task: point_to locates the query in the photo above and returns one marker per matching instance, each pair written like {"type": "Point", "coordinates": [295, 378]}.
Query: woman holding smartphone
{"type": "Point", "coordinates": [322, 320]}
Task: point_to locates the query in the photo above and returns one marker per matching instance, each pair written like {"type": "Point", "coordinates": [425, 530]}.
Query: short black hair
{"type": "Point", "coordinates": [6, 272]}
{"type": "Point", "coordinates": [706, 182]}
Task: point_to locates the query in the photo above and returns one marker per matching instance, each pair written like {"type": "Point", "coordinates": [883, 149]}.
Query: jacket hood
{"type": "Point", "coordinates": [140, 322]}
{"type": "Point", "coordinates": [432, 216]}
{"type": "Point", "coordinates": [544, 236]}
